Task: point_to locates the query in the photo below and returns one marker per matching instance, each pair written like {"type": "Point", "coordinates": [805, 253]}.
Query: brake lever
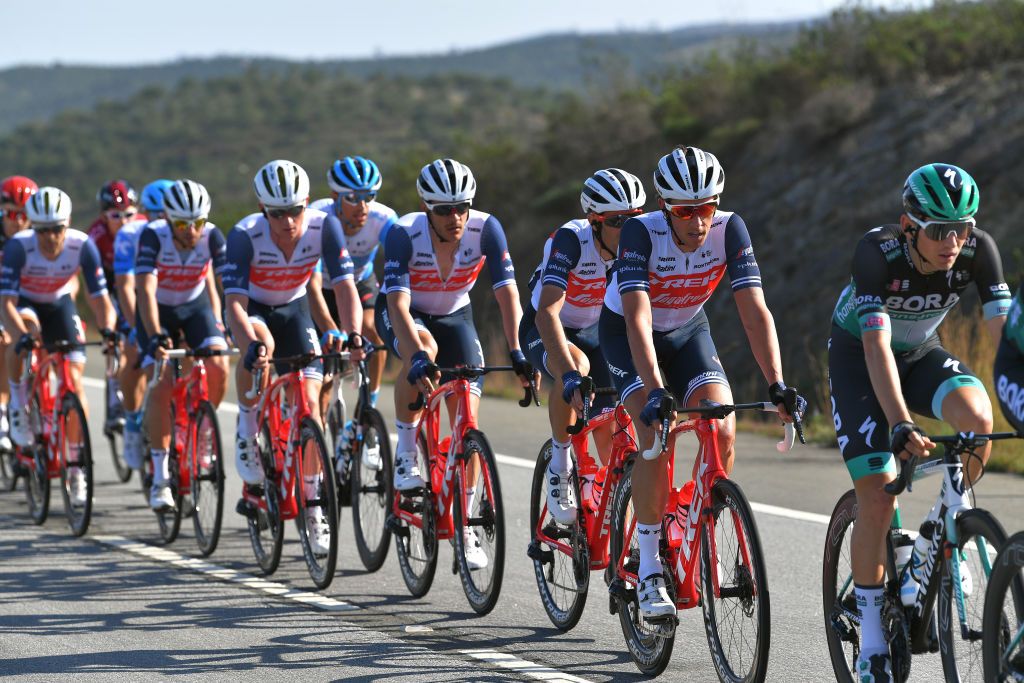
{"type": "Point", "coordinates": [586, 387]}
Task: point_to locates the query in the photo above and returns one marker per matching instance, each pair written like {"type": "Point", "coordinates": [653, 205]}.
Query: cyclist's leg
{"type": "Point", "coordinates": [19, 385]}
{"type": "Point", "coordinates": [245, 437]}
{"type": "Point", "coordinates": [369, 295]}
{"type": "Point", "coordinates": [200, 327]}
{"type": "Point", "coordinates": [588, 341]}
{"type": "Point", "coordinates": [5, 391]}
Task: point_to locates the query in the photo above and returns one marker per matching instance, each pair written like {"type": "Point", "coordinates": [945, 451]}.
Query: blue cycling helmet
{"type": "Point", "coordinates": [354, 174]}
{"type": "Point", "coordinates": [153, 194]}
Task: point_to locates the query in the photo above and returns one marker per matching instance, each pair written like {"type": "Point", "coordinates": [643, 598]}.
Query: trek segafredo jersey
{"type": "Point", "coordinates": [887, 292]}
{"type": "Point", "coordinates": [26, 272]}
{"type": "Point", "coordinates": [256, 268]}
{"type": "Point", "coordinates": [363, 245]}
{"type": "Point", "coordinates": [573, 262]}
{"type": "Point", "coordinates": [410, 264]}
{"type": "Point", "coordinates": [181, 276]}
{"type": "Point", "coordinates": [679, 282]}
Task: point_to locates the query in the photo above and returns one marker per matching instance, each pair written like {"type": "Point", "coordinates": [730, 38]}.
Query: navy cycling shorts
{"type": "Point", "coordinates": [58, 321]}
{"type": "Point", "coordinates": [293, 331]}
{"type": "Point", "coordinates": [192, 320]}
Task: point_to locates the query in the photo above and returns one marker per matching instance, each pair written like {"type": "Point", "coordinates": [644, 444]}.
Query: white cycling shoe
{"type": "Point", "coordinates": [407, 472]}
{"type": "Point", "coordinates": [247, 461]}
{"type": "Point", "coordinates": [318, 531]}
{"type": "Point", "coordinates": [20, 432]}
{"type": "Point", "coordinates": [77, 492]}
{"type": "Point", "coordinates": [654, 603]}
{"type": "Point", "coordinates": [561, 498]}
{"type": "Point", "coordinates": [371, 454]}
{"type": "Point", "coordinates": [476, 558]}
{"type": "Point", "coordinates": [160, 498]}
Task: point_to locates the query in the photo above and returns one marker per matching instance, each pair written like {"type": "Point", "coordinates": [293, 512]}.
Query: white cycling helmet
{"type": "Point", "coordinates": [186, 200]}
{"type": "Point", "coordinates": [689, 173]}
{"type": "Point", "coordinates": [281, 183]}
{"type": "Point", "coordinates": [48, 207]}
{"type": "Point", "coordinates": [446, 181]}
{"type": "Point", "coordinates": [612, 189]}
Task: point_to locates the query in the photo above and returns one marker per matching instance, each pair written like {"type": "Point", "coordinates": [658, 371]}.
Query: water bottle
{"type": "Point", "coordinates": [904, 548]}
{"type": "Point", "coordinates": [676, 524]}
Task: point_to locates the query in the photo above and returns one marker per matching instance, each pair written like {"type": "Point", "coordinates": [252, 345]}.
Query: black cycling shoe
{"type": "Point", "coordinates": [874, 669]}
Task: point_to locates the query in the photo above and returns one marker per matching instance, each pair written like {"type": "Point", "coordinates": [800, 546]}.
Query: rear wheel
{"type": "Point", "coordinates": [113, 429]}
{"type": "Point", "coordinates": [562, 579]}
{"type": "Point", "coordinates": [1003, 623]}
{"type": "Point", "coordinates": [316, 494]}
{"type": "Point", "coordinates": [9, 469]}
{"type": "Point", "coordinates": [207, 485]}
{"type": "Point", "coordinates": [417, 545]}
{"type": "Point", "coordinates": [76, 473]}
{"type": "Point", "coordinates": [266, 529]}
{"type": "Point", "coordinates": [371, 468]}
{"type": "Point", "coordinates": [842, 620]}
{"type": "Point", "coordinates": [335, 426]}
{"type": "Point", "coordinates": [37, 489]}
{"type": "Point", "coordinates": [737, 620]}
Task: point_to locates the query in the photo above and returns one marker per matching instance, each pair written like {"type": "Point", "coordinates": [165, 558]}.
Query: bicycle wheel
{"type": "Point", "coordinates": [842, 620]}
{"type": "Point", "coordinates": [1003, 623]}
{"type": "Point", "coordinates": [371, 489]}
{"type": "Point", "coordinates": [417, 545]}
{"type": "Point", "coordinates": [207, 473]}
{"type": "Point", "coordinates": [75, 454]}
{"type": "Point", "coordinates": [314, 462]}
{"type": "Point", "coordinates": [9, 470]}
{"type": "Point", "coordinates": [114, 431]}
{"type": "Point", "coordinates": [737, 620]}
{"type": "Point", "coordinates": [335, 426]}
{"type": "Point", "coordinates": [265, 526]}
{"type": "Point", "coordinates": [649, 645]}
{"type": "Point", "coordinates": [562, 579]}
{"type": "Point", "coordinates": [37, 489]}
{"type": "Point", "coordinates": [482, 585]}
{"type": "Point", "coordinates": [170, 521]}
{"type": "Point", "coordinates": [979, 536]}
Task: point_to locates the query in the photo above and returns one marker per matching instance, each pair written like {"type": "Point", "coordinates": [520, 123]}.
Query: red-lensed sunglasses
{"type": "Point", "coordinates": [688, 211]}
{"type": "Point", "coordinates": [13, 214]}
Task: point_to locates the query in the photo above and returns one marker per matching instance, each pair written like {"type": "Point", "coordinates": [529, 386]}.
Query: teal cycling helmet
{"type": "Point", "coordinates": [153, 195]}
{"type": "Point", "coordinates": [941, 192]}
{"type": "Point", "coordinates": [354, 174]}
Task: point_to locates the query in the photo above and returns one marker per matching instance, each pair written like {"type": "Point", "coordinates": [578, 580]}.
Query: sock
{"type": "Point", "coordinates": [561, 463]}
{"type": "Point", "coordinates": [133, 421]}
{"type": "Point", "coordinates": [311, 486]}
{"type": "Point", "coordinates": [869, 602]}
{"type": "Point", "coordinates": [246, 421]}
{"type": "Point", "coordinates": [649, 540]}
{"type": "Point", "coordinates": [18, 395]}
{"type": "Point", "coordinates": [4, 424]}
{"type": "Point", "coordinates": [406, 436]}
{"type": "Point", "coordinates": [470, 499]}
{"type": "Point", "coordinates": [161, 473]}
{"type": "Point", "coordinates": [373, 399]}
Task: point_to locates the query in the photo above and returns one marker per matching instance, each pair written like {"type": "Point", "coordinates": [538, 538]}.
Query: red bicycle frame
{"type": "Point", "coordinates": [53, 366]}
{"type": "Point", "coordinates": [187, 394]}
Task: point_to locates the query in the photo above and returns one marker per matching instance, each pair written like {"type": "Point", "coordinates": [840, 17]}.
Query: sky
{"type": "Point", "coordinates": [93, 32]}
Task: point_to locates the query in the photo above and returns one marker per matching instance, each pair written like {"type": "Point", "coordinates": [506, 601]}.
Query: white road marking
{"type": "Point", "coordinates": [522, 666]}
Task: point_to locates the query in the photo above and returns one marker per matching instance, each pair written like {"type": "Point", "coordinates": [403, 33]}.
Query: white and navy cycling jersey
{"type": "Point", "coordinates": [256, 268]}
{"type": "Point", "coordinates": [680, 282]}
{"type": "Point", "coordinates": [363, 245]}
{"type": "Point", "coordinates": [410, 264]}
{"type": "Point", "coordinates": [126, 243]}
{"type": "Point", "coordinates": [573, 262]}
{"type": "Point", "coordinates": [26, 272]}
{"type": "Point", "coordinates": [180, 275]}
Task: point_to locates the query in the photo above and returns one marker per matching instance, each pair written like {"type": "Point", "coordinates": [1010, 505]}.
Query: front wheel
{"type": "Point", "coordinates": [979, 536]}
{"type": "Point", "coordinates": [737, 617]}
{"type": "Point", "coordinates": [37, 487]}
{"type": "Point", "coordinates": [264, 523]}
{"type": "Point", "coordinates": [480, 530]}
{"type": "Point", "coordinates": [9, 470]}
{"type": "Point", "coordinates": [1003, 622]}
{"type": "Point", "coordinates": [113, 429]}
{"type": "Point", "coordinates": [169, 521]}
{"type": "Point", "coordinates": [315, 492]}
{"type": "Point", "coordinates": [76, 472]}
{"type": "Point", "coordinates": [207, 479]}
{"type": "Point", "coordinates": [416, 544]}
{"type": "Point", "coordinates": [371, 469]}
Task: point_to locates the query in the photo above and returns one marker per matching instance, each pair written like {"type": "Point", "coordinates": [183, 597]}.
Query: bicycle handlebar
{"type": "Point", "coordinates": [586, 390]}
{"type": "Point", "coordinates": [955, 443]}
{"type": "Point", "coordinates": [199, 353]}
{"type": "Point", "coordinates": [467, 372]}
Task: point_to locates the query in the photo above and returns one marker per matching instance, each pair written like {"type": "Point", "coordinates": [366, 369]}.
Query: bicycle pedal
{"type": "Point", "coordinates": [246, 509]}
{"type": "Point", "coordinates": [552, 530]}
{"type": "Point", "coordinates": [395, 526]}
{"type": "Point", "coordinates": [412, 493]}
{"type": "Point", "coordinates": [538, 554]}
{"type": "Point", "coordinates": [619, 592]}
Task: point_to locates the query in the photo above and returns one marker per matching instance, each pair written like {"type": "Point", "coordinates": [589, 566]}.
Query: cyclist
{"type": "Point", "coordinates": [432, 259]}
{"type": "Point", "coordinates": [118, 206]}
{"type": "Point", "coordinates": [1009, 365]}
{"type": "Point", "coordinates": [559, 326]}
{"type": "Point", "coordinates": [669, 263]}
{"type": "Point", "coordinates": [270, 258]}
{"type": "Point", "coordinates": [354, 183]}
{"type": "Point", "coordinates": [885, 359]}
{"type": "Point", "coordinates": [132, 378]}
{"type": "Point", "coordinates": [35, 282]}
{"type": "Point", "coordinates": [15, 191]}
{"type": "Point", "coordinates": [172, 265]}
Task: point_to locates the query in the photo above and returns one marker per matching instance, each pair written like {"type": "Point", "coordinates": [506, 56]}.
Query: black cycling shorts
{"type": "Point", "coordinates": [193, 319]}
{"type": "Point", "coordinates": [292, 329]}
{"type": "Point", "coordinates": [58, 321]}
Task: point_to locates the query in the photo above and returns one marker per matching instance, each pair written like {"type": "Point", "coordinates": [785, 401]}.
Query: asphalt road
{"type": "Point", "coordinates": [112, 605]}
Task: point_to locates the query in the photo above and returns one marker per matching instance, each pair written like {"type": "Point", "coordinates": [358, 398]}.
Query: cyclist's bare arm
{"type": "Point", "coordinates": [759, 324]}
{"type": "Point", "coordinates": [551, 331]}
{"type": "Point", "coordinates": [148, 311]}
{"type": "Point", "coordinates": [213, 293]}
{"type": "Point", "coordinates": [995, 328]}
{"type": "Point", "coordinates": [238, 320]}
{"type": "Point", "coordinates": [636, 309]}
{"type": "Point", "coordinates": [317, 306]}
{"type": "Point", "coordinates": [124, 288]}
{"type": "Point", "coordinates": [12, 321]}
{"type": "Point", "coordinates": [402, 322]}
{"type": "Point", "coordinates": [885, 381]}
{"type": "Point", "coordinates": [103, 311]}
{"type": "Point", "coordinates": [350, 310]}
{"type": "Point", "coordinates": [511, 313]}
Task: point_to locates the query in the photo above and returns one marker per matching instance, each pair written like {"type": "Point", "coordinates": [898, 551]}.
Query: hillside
{"type": "Point", "coordinates": [563, 61]}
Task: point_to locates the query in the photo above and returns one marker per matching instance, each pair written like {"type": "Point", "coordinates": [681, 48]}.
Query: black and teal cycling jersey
{"type": "Point", "coordinates": [1013, 331]}
{"type": "Point", "coordinates": [887, 292]}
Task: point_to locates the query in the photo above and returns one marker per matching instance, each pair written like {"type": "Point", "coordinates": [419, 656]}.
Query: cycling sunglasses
{"type": "Point", "coordinates": [121, 215]}
{"type": "Point", "coordinates": [358, 197]}
{"type": "Point", "coordinates": [448, 209]}
{"type": "Point", "coordinates": [13, 214]}
{"type": "Point", "coordinates": [182, 224]}
{"type": "Point", "coordinates": [940, 230]}
{"type": "Point", "coordinates": [688, 211]}
{"type": "Point", "coordinates": [290, 211]}
{"type": "Point", "coordinates": [617, 219]}
{"type": "Point", "coordinates": [49, 229]}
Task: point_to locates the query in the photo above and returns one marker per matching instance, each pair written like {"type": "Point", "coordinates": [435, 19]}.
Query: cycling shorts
{"type": "Point", "coordinates": [293, 332]}
{"type": "Point", "coordinates": [368, 291]}
{"type": "Point", "coordinates": [58, 321]}
{"type": "Point", "coordinates": [686, 355]}
{"type": "Point", "coordinates": [455, 335]}
{"type": "Point", "coordinates": [1009, 379]}
{"type": "Point", "coordinates": [585, 340]}
{"type": "Point", "coordinates": [192, 320]}
{"type": "Point", "coordinates": [927, 375]}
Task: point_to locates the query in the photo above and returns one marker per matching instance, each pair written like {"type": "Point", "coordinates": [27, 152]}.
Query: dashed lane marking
{"type": "Point", "coordinates": [521, 666]}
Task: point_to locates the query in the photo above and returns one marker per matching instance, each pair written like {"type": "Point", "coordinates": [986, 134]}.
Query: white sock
{"type": "Point", "coordinates": [561, 463]}
{"type": "Point", "coordinates": [161, 472]}
{"type": "Point", "coordinates": [869, 602]}
{"type": "Point", "coordinates": [18, 397]}
{"type": "Point", "coordinates": [649, 540]}
{"type": "Point", "coordinates": [406, 436]}
{"type": "Point", "coordinates": [247, 421]}
{"type": "Point", "coordinates": [470, 499]}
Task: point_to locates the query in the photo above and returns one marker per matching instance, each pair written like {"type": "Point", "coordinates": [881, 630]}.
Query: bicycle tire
{"type": "Point", "coordinates": [207, 479]}
{"type": "Point", "coordinates": [371, 492]}
{"type": "Point", "coordinates": [561, 573]}
{"type": "Point", "coordinates": [9, 470]}
{"type": "Point", "coordinates": [115, 439]}
{"type": "Point", "coordinates": [481, 592]}
{"type": "Point", "coordinates": [748, 583]}
{"type": "Point", "coordinates": [37, 487]}
{"type": "Point", "coordinates": [321, 566]}
{"type": "Point", "coordinates": [169, 521]}
{"type": "Point", "coordinates": [998, 626]}
{"type": "Point", "coordinates": [836, 567]}
{"type": "Point", "coordinates": [962, 661]}
{"type": "Point", "coordinates": [650, 651]}
{"type": "Point", "coordinates": [265, 527]}
{"type": "Point", "coordinates": [335, 425]}
{"type": "Point", "coordinates": [417, 546]}
{"type": "Point", "coordinates": [78, 516]}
